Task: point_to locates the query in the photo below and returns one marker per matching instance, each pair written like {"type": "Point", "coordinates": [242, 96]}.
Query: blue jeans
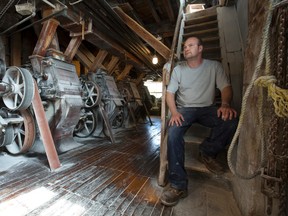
{"type": "Point", "coordinates": [221, 135]}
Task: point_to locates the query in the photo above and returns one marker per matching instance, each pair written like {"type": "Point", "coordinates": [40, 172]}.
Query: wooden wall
{"type": "Point", "coordinates": [231, 50]}
{"type": "Point", "coordinates": [250, 199]}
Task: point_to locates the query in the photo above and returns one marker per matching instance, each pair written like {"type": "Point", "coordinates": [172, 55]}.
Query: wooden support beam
{"type": "Point", "coordinates": [113, 62]}
{"type": "Point", "coordinates": [46, 36]}
{"type": "Point", "coordinates": [72, 48]}
{"type": "Point", "coordinates": [16, 43]}
{"type": "Point", "coordinates": [115, 69]}
{"type": "Point", "coordinates": [117, 47]}
{"type": "Point", "coordinates": [86, 57]}
{"type": "Point", "coordinates": [144, 34]}
{"type": "Point", "coordinates": [44, 129]}
{"type": "Point", "coordinates": [77, 67]}
{"type": "Point", "coordinates": [129, 9]}
{"type": "Point", "coordinates": [97, 63]}
{"type": "Point", "coordinates": [54, 45]}
{"type": "Point", "coordinates": [169, 9]}
{"type": "Point", "coordinates": [153, 11]}
{"type": "Point", "coordinates": [97, 37]}
{"type": "Point", "coordinates": [86, 52]}
{"type": "Point", "coordinates": [125, 72]}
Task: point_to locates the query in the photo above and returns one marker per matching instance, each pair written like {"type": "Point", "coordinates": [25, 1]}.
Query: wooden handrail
{"type": "Point", "coordinates": [167, 70]}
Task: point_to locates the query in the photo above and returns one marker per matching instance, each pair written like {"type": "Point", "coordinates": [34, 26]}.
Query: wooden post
{"type": "Point", "coordinates": [167, 69]}
{"type": "Point", "coordinates": [46, 36]}
{"type": "Point", "coordinates": [44, 128]}
{"type": "Point", "coordinates": [163, 141]}
{"type": "Point", "coordinates": [72, 48]}
{"type": "Point", "coordinates": [112, 64]}
{"type": "Point", "coordinates": [16, 42]}
{"type": "Point", "coordinates": [125, 72]}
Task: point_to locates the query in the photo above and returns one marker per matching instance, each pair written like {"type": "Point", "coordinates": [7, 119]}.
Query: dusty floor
{"type": "Point", "coordinates": [100, 178]}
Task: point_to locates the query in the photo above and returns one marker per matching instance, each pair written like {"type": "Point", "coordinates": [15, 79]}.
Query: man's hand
{"type": "Point", "coordinates": [226, 112]}
{"type": "Point", "coordinates": [176, 118]}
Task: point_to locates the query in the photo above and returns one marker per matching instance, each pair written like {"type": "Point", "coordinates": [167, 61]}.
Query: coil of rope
{"type": "Point", "coordinates": [279, 96]}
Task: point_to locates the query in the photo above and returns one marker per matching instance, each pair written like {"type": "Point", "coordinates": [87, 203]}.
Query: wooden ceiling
{"type": "Point", "coordinates": [124, 32]}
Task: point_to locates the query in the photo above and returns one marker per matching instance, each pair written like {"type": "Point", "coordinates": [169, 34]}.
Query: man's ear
{"type": "Point", "coordinates": [200, 48]}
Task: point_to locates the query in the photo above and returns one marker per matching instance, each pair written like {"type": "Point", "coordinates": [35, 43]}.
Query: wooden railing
{"type": "Point", "coordinates": [167, 70]}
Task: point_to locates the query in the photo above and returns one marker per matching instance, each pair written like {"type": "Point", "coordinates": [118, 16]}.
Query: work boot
{"type": "Point", "coordinates": [171, 196]}
{"type": "Point", "coordinates": [211, 164]}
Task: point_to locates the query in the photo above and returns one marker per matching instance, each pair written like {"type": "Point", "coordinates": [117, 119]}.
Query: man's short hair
{"type": "Point", "coordinates": [200, 42]}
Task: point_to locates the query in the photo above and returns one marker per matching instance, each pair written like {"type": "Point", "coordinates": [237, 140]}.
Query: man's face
{"type": "Point", "coordinates": [191, 48]}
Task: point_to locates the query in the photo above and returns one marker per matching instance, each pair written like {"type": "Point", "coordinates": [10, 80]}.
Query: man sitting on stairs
{"type": "Point", "coordinates": [194, 82]}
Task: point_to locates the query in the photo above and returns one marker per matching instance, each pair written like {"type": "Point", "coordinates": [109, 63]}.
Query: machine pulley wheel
{"type": "Point", "coordinates": [3, 113]}
{"type": "Point", "coordinates": [24, 134]}
{"type": "Point", "coordinates": [87, 123]}
{"type": "Point", "coordinates": [117, 122]}
{"type": "Point", "coordinates": [126, 94]}
{"type": "Point", "coordinates": [6, 137]}
{"type": "Point", "coordinates": [2, 67]}
{"type": "Point", "coordinates": [92, 94]}
{"type": "Point", "coordinates": [21, 83]}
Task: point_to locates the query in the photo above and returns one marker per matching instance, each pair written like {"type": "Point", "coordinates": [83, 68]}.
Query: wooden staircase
{"type": "Point", "coordinates": [218, 29]}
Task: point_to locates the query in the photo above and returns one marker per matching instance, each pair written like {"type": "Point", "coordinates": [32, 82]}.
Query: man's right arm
{"type": "Point", "coordinates": [170, 99]}
{"type": "Point", "coordinates": [176, 117]}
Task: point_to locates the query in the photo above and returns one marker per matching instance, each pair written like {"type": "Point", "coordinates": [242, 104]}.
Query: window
{"type": "Point", "coordinates": [155, 88]}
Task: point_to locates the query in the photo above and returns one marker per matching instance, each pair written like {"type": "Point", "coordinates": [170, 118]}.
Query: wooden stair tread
{"type": "Point", "coordinates": [215, 31]}
{"type": "Point", "coordinates": [208, 12]}
{"type": "Point", "coordinates": [197, 25]}
{"type": "Point", "coordinates": [201, 20]}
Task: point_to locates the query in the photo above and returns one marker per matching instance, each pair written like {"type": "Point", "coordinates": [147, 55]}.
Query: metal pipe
{"type": "Point", "coordinates": [42, 20]}
{"type": "Point", "coordinates": [49, 3]}
{"type": "Point", "coordinates": [76, 2]}
{"type": "Point", "coordinates": [22, 21]}
{"type": "Point", "coordinates": [5, 8]}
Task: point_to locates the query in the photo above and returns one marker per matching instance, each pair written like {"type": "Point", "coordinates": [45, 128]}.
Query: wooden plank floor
{"type": "Point", "coordinates": [100, 178]}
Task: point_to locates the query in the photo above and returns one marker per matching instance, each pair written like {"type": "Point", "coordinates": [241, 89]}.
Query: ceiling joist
{"type": "Point", "coordinates": [144, 34]}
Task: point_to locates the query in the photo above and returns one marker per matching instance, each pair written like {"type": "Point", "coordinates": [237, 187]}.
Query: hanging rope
{"type": "Point", "coordinates": [280, 96]}
{"type": "Point", "coordinates": [264, 53]}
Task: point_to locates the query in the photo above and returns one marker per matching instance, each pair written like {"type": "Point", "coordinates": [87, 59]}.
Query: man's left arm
{"type": "Point", "coordinates": [225, 111]}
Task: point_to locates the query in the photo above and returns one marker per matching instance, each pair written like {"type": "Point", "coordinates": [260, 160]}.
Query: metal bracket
{"type": "Point", "coordinates": [85, 29]}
